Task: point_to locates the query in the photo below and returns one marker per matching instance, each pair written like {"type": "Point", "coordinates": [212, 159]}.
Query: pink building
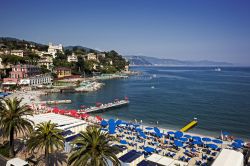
{"type": "Point", "coordinates": [21, 71]}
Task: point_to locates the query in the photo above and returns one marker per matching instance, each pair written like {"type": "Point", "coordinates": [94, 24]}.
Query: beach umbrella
{"type": "Point", "coordinates": [136, 125]}
{"type": "Point", "coordinates": [141, 133]}
{"type": "Point", "coordinates": [104, 123]}
{"type": "Point", "coordinates": [178, 134]}
{"type": "Point", "coordinates": [217, 141]}
{"type": "Point", "coordinates": [171, 133]}
{"type": "Point", "coordinates": [111, 123]}
{"type": "Point", "coordinates": [239, 141]}
{"type": "Point", "coordinates": [111, 120]}
{"type": "Point", "coordinates": [118, 122]}
{"type": "Point", "coordinates": [197, 143]}
{"type": "Point", "coordinates": [98, 118]}
{"type": "Point", "coordinates": [138, 129]}
{"type": "Point", "coordinates": [157, 132]}
{"type": "Point", "coordinates": [225, 133]}
{"type": "Point", "coordinates": [196, 138]}
{"type": "Point", "coordinates": [236, 145]}
{"type": "Point", "coordinates": [123, 142]}
{"type": "Point", "coordinates": [212, 146]}
{"type": "Point", "coordinates": [84, 115]}
{"type": "Point", "coordinates": [178, 143]}
{"type": "Point", "coordinates": [206, 139]}
{"type": "Point", "coordinates": [62, 112]}
{"type": "Point", "coordinates": [149, 128]}
{"type": "Point", "coordinates": [184, 139]}
{"type": "Point", "coordinates": [187, 136]}
{"type": "Point", "coordinates": [149, 149]}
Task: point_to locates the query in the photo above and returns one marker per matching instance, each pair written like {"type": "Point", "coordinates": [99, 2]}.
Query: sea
{"type": "Point", "coordinates": [170, 97]}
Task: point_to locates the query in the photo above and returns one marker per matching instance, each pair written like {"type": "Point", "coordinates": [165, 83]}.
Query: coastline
{"type": "Point", "coordinates": [33, 98]}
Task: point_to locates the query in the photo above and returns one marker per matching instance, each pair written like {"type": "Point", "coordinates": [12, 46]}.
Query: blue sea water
{"type": "Point", "coordinates": [173, 96]}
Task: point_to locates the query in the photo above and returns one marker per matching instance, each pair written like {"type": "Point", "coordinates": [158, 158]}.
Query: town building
{"type": "Point", "coordinates": [42, 79]}
{"type": "Point", "coordinates": [21, 71]}
{"type": "Point", "coordinates": [63, 72]}
{"type": "Point", "coordinates": [46, 61]}
{"type": "Point", "coordinates": [40, 53]}
{"type": "Point", "coordinates": [53, 49]}
{"type": "Point", "coordinates": [72, 58]}
{"type": "Point", "coordinates": [91, 56]}
{"type": "Point", "coordinates": [17, 52]}
{"type": "Point", "coordinates": [101, 55]}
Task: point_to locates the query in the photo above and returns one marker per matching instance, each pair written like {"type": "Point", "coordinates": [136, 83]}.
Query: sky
{"type": "Point", "coordinates": [216, 30]}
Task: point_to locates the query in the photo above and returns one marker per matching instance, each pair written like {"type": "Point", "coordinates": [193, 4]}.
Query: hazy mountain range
{"type": "Point", "coordinates": [152, 61]}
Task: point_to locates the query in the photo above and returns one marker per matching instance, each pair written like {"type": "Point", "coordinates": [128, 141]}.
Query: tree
{"type": "Point", "coordinates": [44, 69]}
{"type": "Point", "coordinates": [46, 137]}
{"type": "Point", "coordinates": [95, 149]}
{"type": "Point", "coordinates": [32, 58]}
{"type": "Point", "coordinates": [13, 120]}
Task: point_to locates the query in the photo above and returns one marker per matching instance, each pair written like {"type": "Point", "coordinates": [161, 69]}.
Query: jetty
{"type": "Point", "coordinates": [57, 102]}
{"type": "Point", "coordinates": [101, 107]}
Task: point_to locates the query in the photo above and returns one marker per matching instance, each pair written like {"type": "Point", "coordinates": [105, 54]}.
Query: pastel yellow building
{"type": "Point", "coordinates": [63, 72]}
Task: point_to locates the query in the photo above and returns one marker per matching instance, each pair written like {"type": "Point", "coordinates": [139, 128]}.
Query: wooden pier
{"type": "Point", "coordinates": [57, 102]}
{"type": "Point", "coordinates": [101, 107]}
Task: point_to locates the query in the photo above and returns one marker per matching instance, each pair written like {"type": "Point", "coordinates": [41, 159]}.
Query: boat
{"type": "Point", "coordinates": [217, 69]}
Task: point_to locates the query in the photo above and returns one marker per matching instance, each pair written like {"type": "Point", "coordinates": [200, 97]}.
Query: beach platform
{"type": "Point", "coordinates": [102, 107]}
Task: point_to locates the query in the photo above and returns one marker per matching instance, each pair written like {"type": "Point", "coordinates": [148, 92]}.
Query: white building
{"type": "Point", "coordinates": [91, 56]}
{"type": "Point", "coordinates": [43, 79]}
{"type": "Point", "coordinates": [46, 61]}
{"type": "Point", "coordinates": [17, 52]}
{"type": "Point", "coordinates": [72, 58]}
{"type": "Point", "coordinates": [229, 157]}
{"type": "Point", "coordinates": [53, 49]}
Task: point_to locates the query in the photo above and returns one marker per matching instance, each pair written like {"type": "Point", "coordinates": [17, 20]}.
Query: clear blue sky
{"type": "Point", "coordinates": [182, 29]}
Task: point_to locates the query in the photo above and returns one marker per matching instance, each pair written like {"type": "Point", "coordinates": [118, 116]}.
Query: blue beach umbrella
{"type": "Point", "coordinates": [178, 143]}
{"type": "Point", "coordinates": [236, 145]}
{"type": "Point", "coordinates": [196, 138]}
{"type": "Point", "coordinates": [225, 133]}
{"type": "Point", "coordinates": [206, 139]}
{"type": "Point", "coordinates": [184, 139]}
{"type": "Point", "coordinates": [239, 141]}
{"type": "Point", "coordinates": [212, 146]}
{"type": "Point", "coordinates": [149, 128]}
{"type": "Point", "coordinates": [104, 123]}
{"type": "Point", "coordinates": [187, 136]}
{"type": "Point", "coordinates": [141, 133]}
{"type": "Point", "coordinates": [118, 122]}
{"type": "Point", "coordinates": [197, 143]}
{"type": "Point", "coordinates": [171, 132]}
{"type": "Point", "coordinates": [157, 132]}
{"type": "Point", "coordinates": [217, 141]}
{"type": "Point", "coordinates": [149, 149]}
{"type": "Point", "coordinates": [138, 129]}
{"type": "Point", "coordinates": [178, 134]}
{"type": "Point", "coordinates": [136, 125]}
{"type": "Point", "coordinates": [111, 126]}
{"type": "Point", "coordinates": [123, 142]}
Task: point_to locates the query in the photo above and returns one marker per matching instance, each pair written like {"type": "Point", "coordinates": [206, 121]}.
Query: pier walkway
{"type": "Point", "coordinates": [100, 107]}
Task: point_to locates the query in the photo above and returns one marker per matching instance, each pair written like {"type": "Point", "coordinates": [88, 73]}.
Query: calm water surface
{"type": "Point", "coordinates": [175, 95]}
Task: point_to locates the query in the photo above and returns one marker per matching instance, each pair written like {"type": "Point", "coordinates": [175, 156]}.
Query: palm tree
{"type": "Point", "coordinates": [13, 120]}
{"type": "Point", "coordinates": [46, 137]}
{"type": "Point", "coordinates": [95, 149]}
